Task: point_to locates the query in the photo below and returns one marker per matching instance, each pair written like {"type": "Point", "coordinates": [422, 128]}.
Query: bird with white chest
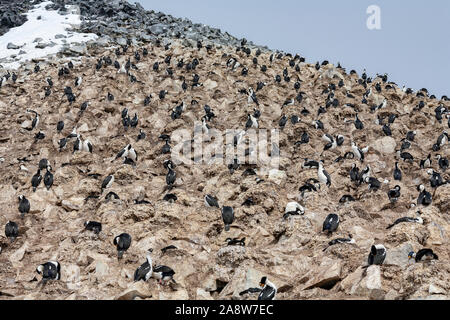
{"type": "Point", "coordinates": [293, 209]}
{"type": "Point", "coordinates": [323, 175]}
{"type": "Point", "coordinates": [269, 290]}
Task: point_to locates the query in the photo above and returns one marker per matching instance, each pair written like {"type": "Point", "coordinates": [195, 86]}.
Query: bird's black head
{"type": "Point", "coordinates": [373, 250]}
{"type": "Point", "coordinates": [263, 281]}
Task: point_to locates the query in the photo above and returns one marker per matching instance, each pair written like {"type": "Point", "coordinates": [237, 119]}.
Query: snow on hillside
{"type": "Point", "coordinates": [45, 33]}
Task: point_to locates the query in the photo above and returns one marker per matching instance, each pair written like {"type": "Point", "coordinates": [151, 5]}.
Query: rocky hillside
{"type": "Point", "coordinates": [289, 250]}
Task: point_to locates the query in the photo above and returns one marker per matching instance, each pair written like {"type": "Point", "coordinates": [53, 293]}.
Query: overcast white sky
{"type": "Point", "coordinates": [413, 45]}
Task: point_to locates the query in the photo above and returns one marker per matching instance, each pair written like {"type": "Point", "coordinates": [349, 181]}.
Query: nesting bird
{"type": "Point", "coordinates": [423, 255]}
{"type": "Point", "coordinates": [93, 226]}
{"type": "Point", "coordinates": [293, 209]}
{"type": "Point", "coordinates": [50, 271]}
{"type": "Point", "coordinates": [331, 223]}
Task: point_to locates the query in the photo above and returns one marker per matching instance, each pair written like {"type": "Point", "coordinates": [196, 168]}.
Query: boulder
{"type": "Point", "coordinates": [399, 255]}
{"type": "Point", "coordinates": [385, 145]}
{"type": "Point", "coordinates": [136, 289]}
{"type": "Point", "coordinates": [326, 276]}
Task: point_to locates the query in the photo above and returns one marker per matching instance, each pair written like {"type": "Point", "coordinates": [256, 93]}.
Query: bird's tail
{"type": "Point", "coordinates": [227, 227]}
{"type": "Point", "coordinates": [119, 254]}
{"type": "Point", "coordinates": [390, 226]}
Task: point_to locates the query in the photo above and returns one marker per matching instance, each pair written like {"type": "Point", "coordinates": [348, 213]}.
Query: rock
{"type": "Point", "coordinates": [231, 255]}
{"type": "Point", "coordinates": [157, 29]}
{"type": "Point", "coordinates": [385, 145]}
{"type": "Point", "coordinates": [277, 176]}
{"type": "Point", "coordinates": [399, 255]}
{"type": "Point", "coordinates": [203, 295]}
{"type": "Point", "coordinates": [73, 203]}
{"type": "Point", "coordinates": [60, 36]}
{"type": "Point", "coordinates": [101, 269]}
{"type": "Point", "coordinates": [209, 84]}
{"type": "Point", "coordinates": [370, 285]}
{"type": "Point", "coordinates": [433, 289]}
{"type": "Point", "coordinates": [17, 255]}
{"type": "Point", "coordinates": [326, 276]}
{"type": "Point", "coordinates": [12, 46]}
{"type": "Point", "coordinates": [72, 276]}
{"type": "Point", "coordinates": [180, 294]}
{"type": "Point", "coordinates": [136, 289]}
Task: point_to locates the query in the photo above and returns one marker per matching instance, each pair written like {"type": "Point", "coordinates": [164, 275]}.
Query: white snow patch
{"type": "Point", "coordinates": [47, 27]}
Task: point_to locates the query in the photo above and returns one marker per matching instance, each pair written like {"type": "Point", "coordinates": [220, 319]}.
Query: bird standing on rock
{"type": "Point", "coordinates": [227, 217]}
{"type": "Point", "coordinates": [122, 242]}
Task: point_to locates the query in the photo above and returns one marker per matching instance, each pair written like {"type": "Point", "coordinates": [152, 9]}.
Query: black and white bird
{"type": "Point", "coordinates": [348, 240]}
{"type": "Point", "coordinates": [310, 164]}
{"type": "Point", "coordinates": [411, 135]}
{"type": "Point", "coordinates": [358, 123]}
{"type": "Point", "coordinates": [107, 182]}
{"type": "Point", "coordinates": [48, 178]}
{"type": "Point", "coordinates": [122, 242]}
{"type": "Point", "coordinates": [211, 201]}
{"type": "Point", "coordinates": [331, 223]}
{"type": "Point", "coordinates": [269, 290]}
{"type": "Point", "coordinates": [443, 162]}
{"type": "Point", "coordinates": [293, 209]}
{"type": "Point", "coordinates": [423, 255]}
{"type": "Point", "coordinates": [394, 194]}
{"type": "Point", "coordinates": [252, 97]}
{"type": "Point", "coordinates": [43, 164]}
{"type": "Point", "coordinates": [78, 81]}
{"type": "Point", "coordinates": [424, 198]}
{"type": "Point", "coordinates": [252, 122]}
{"type": "Point", "coordinates": [141, 135]}
{"type": "Point", "coordinates": [50, 271]}
{"type": "Point", "coordinates": [227, 217]}
{"type": "Point", "coordinates": [145, 270]}
{"type": "Point", "coordinates": [354, 173]}
{"type": "Point", "coordinates": [35, 120]}
{"type": "Point", "coordinates": [24, 206]}
{"type": "Point", "coordinates": [377, 255]}
{"type": "Point", "coordinates": [111, 196]}
{"type": "Point", "coordinates": [374, 183]}
{"type": "Point", "coordinates": [93, 226]}
{"type": "Point", "coordinates": [323, 175]}
{"type": "Point", "coordinates": [406, 220]}
{"type": "Point", "coordinates": [36, 180]}
{"type": "Point", "coordinates": [359, 153]}
{"type": "Point", "coordinates": [60, 126]}
{"type": "Point", "coordinates": [78, 145]}
{"type": "Point", "coordinates": [426, 163]}
{"type": "Point", "coordinates": [397, 173]}
{"type": "Point", "coordinates": [171, 176]}
{"type": "Point", "coordinates": [331, 142]}
{"type": "Point", "coordinates": [11, 231]}
{"type": "Point", "coordinates": [235, 242]}
{"type": "Point", "coordinates": [436, 179]}
{"type": "Point", "coordinates": [443, 139]}
{"type": "Point", "coordinates": [87, 146]}
{"type": "Point", "coordinates": [163, 274]}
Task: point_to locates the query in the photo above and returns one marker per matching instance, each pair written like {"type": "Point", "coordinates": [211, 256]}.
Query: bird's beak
{"type": "Point", "coordinates": [261, 285]}
{"type": "Point", "coordinates": [409, 257]}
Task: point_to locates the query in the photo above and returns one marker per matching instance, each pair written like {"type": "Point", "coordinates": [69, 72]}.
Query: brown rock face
{"type": "Point", "coordinates": [290, 252]}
